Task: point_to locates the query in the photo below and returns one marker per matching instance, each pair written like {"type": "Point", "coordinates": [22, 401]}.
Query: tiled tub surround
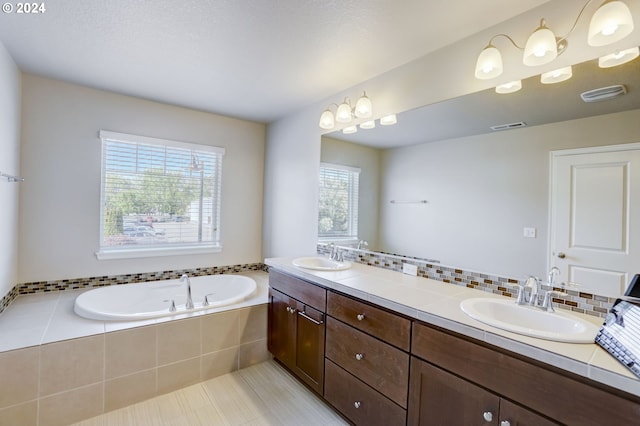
{"type": "Point", "coordinates": [576, 301]}
{"type": "Point", "coordinates": [69, 368]}
{"type": "Point", "coordinates": [92, 282]}
{"type": "Point", "coordinates": [438, 303]}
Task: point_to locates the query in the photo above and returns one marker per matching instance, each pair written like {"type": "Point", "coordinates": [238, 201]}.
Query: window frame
{"type": "Point", "coordinates": [169, 249]}
{"type": "Point", "coordinates": [353, 204]}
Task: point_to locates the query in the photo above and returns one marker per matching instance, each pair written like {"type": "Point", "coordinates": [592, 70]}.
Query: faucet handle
{"type": "Point", "coordinates": [521, 295]}
{"type": "Point", "coordinates": [547, 303]}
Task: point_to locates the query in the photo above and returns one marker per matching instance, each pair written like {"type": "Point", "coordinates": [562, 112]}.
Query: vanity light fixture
{"type": "Point", "coordinates": [611, 22]}
{"type": "Point", "coordinates": [371, 124]}
{"type": "Point", "coordinates": [345, 113]}
{"type": "Point", "coordinates": [618, 58]}
{"type": "Point", "coordinates": [556, 76]}
{"type": "Point", "coordinates": [510, 87]}
{"type": "Point", "coordinates": [388, 120]}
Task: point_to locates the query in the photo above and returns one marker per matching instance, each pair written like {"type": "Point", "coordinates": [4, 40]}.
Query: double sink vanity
{"type": "Point", "coordinates": [385, 348]}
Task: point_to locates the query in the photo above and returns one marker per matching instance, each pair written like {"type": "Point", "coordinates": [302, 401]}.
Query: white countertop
{"type": "Point", "coordinates": [438, 303]}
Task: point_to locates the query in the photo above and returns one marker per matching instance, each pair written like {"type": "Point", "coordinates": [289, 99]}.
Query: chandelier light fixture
{"type": "Point", "coordinates": [611, 22]}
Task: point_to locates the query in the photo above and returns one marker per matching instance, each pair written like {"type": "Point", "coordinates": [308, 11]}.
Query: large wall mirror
{"type": "Point", "coordinates": [483, 188]}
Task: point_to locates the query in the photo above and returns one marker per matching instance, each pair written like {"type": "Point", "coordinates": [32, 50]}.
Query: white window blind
{"type": "Point", "coordinates": [158, 195]}
{"type": "Point", "coordinates": [338, 210]}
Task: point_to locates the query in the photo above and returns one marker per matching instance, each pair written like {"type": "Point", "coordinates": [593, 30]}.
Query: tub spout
{"type": "Point", "coordinates": [189, 304]}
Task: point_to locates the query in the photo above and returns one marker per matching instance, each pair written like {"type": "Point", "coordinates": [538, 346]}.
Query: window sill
{"type": "Point", "coordinates": [133, 253]}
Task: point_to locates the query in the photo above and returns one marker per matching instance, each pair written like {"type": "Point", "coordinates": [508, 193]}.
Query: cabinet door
{"type": "Point", "coordinates": [309, 359]}
{"type": "Point", "coordinates": [281, 340]}
{"type": "Point", "coordinates": [440, 398]}
{"type": "Point", "coordinates": [514, 415]}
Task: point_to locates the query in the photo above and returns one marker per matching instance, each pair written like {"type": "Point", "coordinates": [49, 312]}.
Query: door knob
{"type": "Point", "coordinates": [560, 255]}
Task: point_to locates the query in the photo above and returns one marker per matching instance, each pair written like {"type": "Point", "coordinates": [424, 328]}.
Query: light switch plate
{"type": "Point", "coordinates": [529, 232]}
{"type": "Point", "coordinates": [410, 269]}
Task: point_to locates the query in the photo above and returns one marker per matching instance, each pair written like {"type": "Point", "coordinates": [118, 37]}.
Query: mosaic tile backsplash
{"type": "Point", "coordinates": [103, 281]}
{"type": "Point", "coordinates": [576, 301]}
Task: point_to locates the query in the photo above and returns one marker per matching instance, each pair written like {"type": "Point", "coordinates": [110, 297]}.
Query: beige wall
{"type": "Point", "coordinates": [59, 207]}
{"type": "Point", "coordinates": [10, 82]}
{"type": "Point", "coordinates": [482, 191]}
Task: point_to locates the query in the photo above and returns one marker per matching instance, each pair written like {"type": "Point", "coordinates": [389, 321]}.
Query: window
{"type": "Point", "coordinates": [158, 197]}
{"type": "Point", "coordinates": [338, 212]}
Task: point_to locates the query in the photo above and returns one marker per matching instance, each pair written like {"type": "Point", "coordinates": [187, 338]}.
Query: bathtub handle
{"type": "Point", "coordinates": [305, 316]}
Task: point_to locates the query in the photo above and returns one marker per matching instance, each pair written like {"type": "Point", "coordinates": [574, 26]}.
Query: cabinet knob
{"type": "Point", "coordinates": [357, 404]}
{"type": "Point", "coordinates": [488, 416]}
{"type": "Point", "coordinates": [359, 357]}
{"type": "Point", "coordinates": [360, 317]}
{"type": "Point", "coordinates": [291, 310]}
{"type": "Point", "coordinates": [505, 423]}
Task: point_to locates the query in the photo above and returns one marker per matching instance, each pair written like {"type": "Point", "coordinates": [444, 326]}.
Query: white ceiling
{"type": "Point", "coordinates": [252, 59]}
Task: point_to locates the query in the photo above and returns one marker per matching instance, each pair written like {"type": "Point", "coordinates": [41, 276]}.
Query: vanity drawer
{"type": "Point", "coordinates": [307, 293]}
{"type": "Point", "coordinates": [376, 363]}
{"type": "Point", "coordinates": [384, 325]}
{"type": "Point", "coordinates": [357, 401]}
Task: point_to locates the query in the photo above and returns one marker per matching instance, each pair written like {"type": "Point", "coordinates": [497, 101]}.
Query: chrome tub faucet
{"type": "Point", "coordinates": [189, 304]}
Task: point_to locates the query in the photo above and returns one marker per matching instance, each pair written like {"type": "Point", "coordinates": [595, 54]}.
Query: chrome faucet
{"type": "Point", "coordinates": [189, 304]}
{"type": "Point", "coordinates": [334, 253]}
{"type": "Point", "coordinates": [362, 244]}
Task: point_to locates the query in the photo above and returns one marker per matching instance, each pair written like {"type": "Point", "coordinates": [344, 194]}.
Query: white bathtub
{"type": "Point", "coordinates": [153, 299]}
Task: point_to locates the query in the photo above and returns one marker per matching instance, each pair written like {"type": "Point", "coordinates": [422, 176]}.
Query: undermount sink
{"type": "Point", "coordinates": [321, 263]}
{"type": "Point", "coordinates": [530, 321]}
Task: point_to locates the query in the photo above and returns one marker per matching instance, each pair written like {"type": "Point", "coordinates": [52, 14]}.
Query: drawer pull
{"type": "Point", "coordinates": [360, 317]}
{"type": "Point", "coordinates": [307, 317]}
{"type": "Point", "coordinates": [488, 416]}
{"type": "Point", "coordinates": [359, 357]}
{"type": "Point", "coordinates": [357, 404]}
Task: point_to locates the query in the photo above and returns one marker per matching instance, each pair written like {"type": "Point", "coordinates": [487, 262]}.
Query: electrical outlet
{"type": "Point", "coordinates": [529, 232]}
{"type": "Point", "coordinates": [410, 269]}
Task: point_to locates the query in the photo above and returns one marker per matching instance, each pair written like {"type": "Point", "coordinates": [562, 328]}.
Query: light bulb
{"type": "Point", "coordinates": [541, 47]}
{"type": "Point", "coordinates": [343, 114]}
{"type": "Point", "coordinates": [363, 107]}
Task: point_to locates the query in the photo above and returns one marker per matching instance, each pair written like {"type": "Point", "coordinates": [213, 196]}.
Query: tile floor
{"type": "Point", "coordinates": [264, 394]}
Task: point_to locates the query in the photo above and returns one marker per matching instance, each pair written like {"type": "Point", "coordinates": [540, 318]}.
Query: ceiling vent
{"type": "Point", "coordinates": [604, 93]}
{"type": "Point", "coordinates": [508, 126]}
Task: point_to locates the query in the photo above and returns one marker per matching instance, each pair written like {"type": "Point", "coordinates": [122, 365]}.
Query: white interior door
{"type": "Point", "coordinates": [595, 194]}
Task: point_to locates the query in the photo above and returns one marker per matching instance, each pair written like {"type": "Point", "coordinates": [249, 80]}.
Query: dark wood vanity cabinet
{"type": "Point", "coordinates": [296, 324]}
{"type": "Point", "coordinates": [455, 380]}
{"type": "Point", "coordinates": [441, 398]}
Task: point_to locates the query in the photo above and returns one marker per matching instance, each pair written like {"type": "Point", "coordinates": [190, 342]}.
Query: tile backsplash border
{"type": "Point", "coordinates": [107, 280]}
{"type": "Point", "coordinates": [576, 301]}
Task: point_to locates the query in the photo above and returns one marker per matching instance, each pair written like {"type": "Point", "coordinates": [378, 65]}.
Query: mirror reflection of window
{"type": "Point", "coordinates": [338, 209]}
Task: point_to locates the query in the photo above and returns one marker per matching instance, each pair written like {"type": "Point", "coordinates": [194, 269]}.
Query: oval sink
{"type": "Point", "coordinates": [321, 263]}
{"type": "Point", "coordinates": [530, 321]}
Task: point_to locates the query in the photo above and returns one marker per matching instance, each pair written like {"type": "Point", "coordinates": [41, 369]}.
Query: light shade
{"type": "Point", "coordinates": [541, 47]}
{"type": "Point", "coordinates": [611, 22]}
{"type": "Point", "coordinates": [343, 114]}
{"type": "Point", "coordinates": [510, 87]}
{"type": "Point", "coordinates": [556, 76]}
{"type": "Point", "coordinates": [350, 129]}
{"type": "Point", "coordinates": [618, 58]}
{"type": "Point", "coordinates": [326, 120]}
{"type": "Point", "coordinates": [371, 124]}
{"type": "Point", "coordinates": [363, 107]}
{"type": "Point", "coordinates": [489, 64]}
{"type": "Point", "coordinates": [388, 120]}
